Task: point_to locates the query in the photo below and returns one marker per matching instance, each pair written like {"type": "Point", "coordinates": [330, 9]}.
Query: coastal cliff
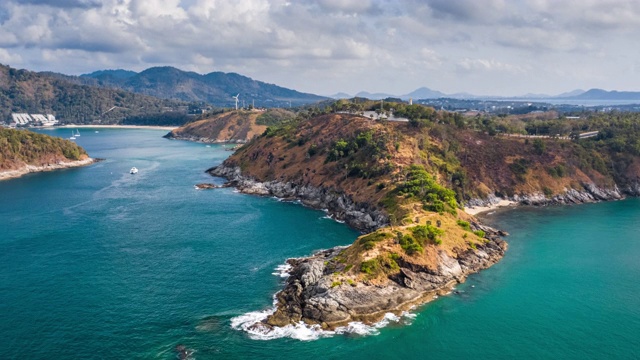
{"type": "Point", "coordinates": [359, 215]}
{"type": "Point", "coordinates": [404, 185]}
{"type": "Point", "coordinates": [330, 289]}
{"type": "Point", "coordinates": [23, 152]}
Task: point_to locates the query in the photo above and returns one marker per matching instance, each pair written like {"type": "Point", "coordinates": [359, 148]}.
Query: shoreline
{"type": "Point", "coordinates": [27, 169]}
{"type": "Point", "coordinates": [313, 296]}
{"type": "Point", "coordinates": [476, 210]}
{"type": "Point", "coordinates": [148, 127]}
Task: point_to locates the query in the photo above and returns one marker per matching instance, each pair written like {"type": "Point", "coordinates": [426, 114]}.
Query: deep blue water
{"type": "Point", "coordinates": [98, 263]}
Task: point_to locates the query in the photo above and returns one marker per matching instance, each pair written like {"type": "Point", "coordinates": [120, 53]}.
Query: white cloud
{"type": "Point", "coordinates": [335, 45]}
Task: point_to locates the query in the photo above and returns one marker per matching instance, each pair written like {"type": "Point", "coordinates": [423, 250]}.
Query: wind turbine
{"type": "Point", "coordinates": [236, 97]}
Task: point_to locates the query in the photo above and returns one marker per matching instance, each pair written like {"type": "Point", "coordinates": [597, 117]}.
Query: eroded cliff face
{"type": "Point", "coordinates": [362, 216]}
{"type": "Point", "coordinates": [326, 289]}
{"type": "Point", "coordinates": [354, 168]}
{"type": "Point", "coordinates": [590, 193]}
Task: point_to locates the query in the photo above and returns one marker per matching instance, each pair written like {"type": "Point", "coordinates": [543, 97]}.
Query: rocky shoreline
{"type": "Point", "coordinates": [590, 193]}
{"type": "Point", "coordinates": [173, 136]}
{"type": "Point", "coordinates": [11, 174]}
{"type": "Point", "coordinates": [311, 295]}
{"type": "Point", "coordinates": [362, 216]}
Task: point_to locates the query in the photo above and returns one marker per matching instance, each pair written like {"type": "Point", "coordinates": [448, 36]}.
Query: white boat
{"type": "Point", "coordinates": [73, 136]}
{"type": "Point", "coordinates": [134, 170]}
{"type": "Point", "coordinates": [77, 132]}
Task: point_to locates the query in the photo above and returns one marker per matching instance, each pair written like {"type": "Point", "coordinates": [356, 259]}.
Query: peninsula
{"type": "Point", "coordinates": [405, 184]}
{"type": "Point", "coordinates": [23, 152]}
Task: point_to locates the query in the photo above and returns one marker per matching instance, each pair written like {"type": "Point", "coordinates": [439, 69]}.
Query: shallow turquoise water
{"type": "Point", "coordinates": [98, 263]}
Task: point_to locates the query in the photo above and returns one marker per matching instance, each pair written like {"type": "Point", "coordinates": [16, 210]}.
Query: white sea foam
{"type": "Point", "coordinates": [251, 324]}
{"type": "Point", "coordinates": [282, 270]}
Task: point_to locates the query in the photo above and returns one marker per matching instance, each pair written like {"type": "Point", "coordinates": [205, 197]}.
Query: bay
{"type": "Point", "coordinates": [96, 263]}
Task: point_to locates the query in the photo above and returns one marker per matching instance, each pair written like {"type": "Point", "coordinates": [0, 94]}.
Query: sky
{"type": "Point", "coordinates": [483, 47]}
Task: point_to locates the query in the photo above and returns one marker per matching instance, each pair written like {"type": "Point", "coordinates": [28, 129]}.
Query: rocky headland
{"type": "Point", "coordinates": [404, 186]}
{"type": "Point", "coordinates": [23, 152]}
{"type": "Point", "coordinates": [320, 290]}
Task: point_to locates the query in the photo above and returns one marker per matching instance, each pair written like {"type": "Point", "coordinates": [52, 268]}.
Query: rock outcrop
{"type": "Point", "coordinates": [362, 216]}
{"type": "Point", "coordinates": [589, 193]}
{"type": "Point", "coordinates": [311, 295]}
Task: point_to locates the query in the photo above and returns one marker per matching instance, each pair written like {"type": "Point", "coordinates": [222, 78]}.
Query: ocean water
{"type": "Point", "coordinates": [96, 263]}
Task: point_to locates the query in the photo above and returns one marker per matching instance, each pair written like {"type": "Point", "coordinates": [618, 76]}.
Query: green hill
{"type": "Point", "coordinates": [23, 151]}
{"type": "Point", "coordinates": [30, 92]}
{"type": "Point", "coordinates": [216, 88]}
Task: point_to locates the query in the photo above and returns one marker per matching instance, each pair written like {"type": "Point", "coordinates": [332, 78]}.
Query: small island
{"type": "Point", "coordinates": [23, 152]}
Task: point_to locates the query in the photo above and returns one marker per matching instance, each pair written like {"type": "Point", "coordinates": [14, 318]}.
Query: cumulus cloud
{"type": "Point", "coordinates": [64, 3]}
{"type": "Point", "coordinates": [330, 45]}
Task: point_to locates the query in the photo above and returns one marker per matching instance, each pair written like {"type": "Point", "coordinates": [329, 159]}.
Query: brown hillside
{"type": "Point", "coordinates": [234, 126]}
{"type": "Point", "coordinates": [471, 163]}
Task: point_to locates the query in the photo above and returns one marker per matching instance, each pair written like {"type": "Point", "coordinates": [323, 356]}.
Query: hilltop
{"type": "Point", "coordinates": [233, 126]}
{"type": "Point", "coordinates": [71, 102]}
{"type": "Point", "coordinates": [215, 88]}
{"type": "Point", "coordinates": [23, 151]}
{"type": "Point", "coordinates": [405, 184]}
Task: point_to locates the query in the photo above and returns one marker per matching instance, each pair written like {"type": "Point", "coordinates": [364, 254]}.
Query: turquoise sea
{"type": "Point", "coordinates": [96, 263]}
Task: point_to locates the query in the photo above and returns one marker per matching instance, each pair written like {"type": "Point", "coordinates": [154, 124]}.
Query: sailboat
{"type": "Point", "coordinates": [77, 133]}
{"type": "Point", "coordinates": [73, 136]}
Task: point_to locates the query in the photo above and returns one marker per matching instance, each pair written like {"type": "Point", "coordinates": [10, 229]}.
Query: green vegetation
{"type": "Point", "coordinates": [368, 241]}
{"type": "Point", "coordinates": [70, 101]}
{"type": "Point", "coordinates": [479, 233]}
{"type": "Point", "coordinates": [30, 147]}
{"type": "Point", "coordinates": [519, 168]}
{"type": "Point", "coordinates": [380, 264]}
{"type": "Point", "coordinates": [273, 117]}
{"type": "Point", "coordinates": [369, 267]}
{"type": "Point", "coordinates": [427, 233]}
{"type": "Point", "coordinates": [423, 186]}
{"type": "Point", "coordinates": [557, 171]}
{"type": "Point", "coordinates": [464, 224]}
{"type": "Point", "coordinates": [410, 245]}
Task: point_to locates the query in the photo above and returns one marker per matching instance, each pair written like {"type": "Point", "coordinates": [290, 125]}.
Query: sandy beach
{"type": "Point", "coordinates": [168, 128]}
{"type": "Point", "coordinates": [480, 209]}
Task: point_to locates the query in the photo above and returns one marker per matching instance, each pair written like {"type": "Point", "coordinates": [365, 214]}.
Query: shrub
{"type": "Point", "coordinates": [313, 149]}
{"type": "Point", "coordinates": [479, 233]}
{"type": "Point", "coordinates": [369, 267]}
{"type": "Point", "coordinates": [424, 233]}
{"type": "Point", "coordinates": [464, 224]}
{"type": "Point", "coordinates": [423, 185]}
{"type": "Point", "coordinates": [410, 245]}
{"type": "Point", "coordinates": [368, 241]}
{"type": "Point", "coordinates": [539, 146]}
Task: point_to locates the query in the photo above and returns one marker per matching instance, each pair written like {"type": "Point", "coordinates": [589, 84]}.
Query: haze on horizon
{"type": "Point", "coordinates": [490, 47]}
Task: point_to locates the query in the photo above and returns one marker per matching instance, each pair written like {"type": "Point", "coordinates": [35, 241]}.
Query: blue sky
{"type": "Point", "coordinates": [490, 47]}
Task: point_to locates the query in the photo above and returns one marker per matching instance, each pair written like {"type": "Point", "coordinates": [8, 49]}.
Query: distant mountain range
{"type": "Point", "coordinates": [426, 93]}
{"type": "Point", "coordinates": [216, 88]}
